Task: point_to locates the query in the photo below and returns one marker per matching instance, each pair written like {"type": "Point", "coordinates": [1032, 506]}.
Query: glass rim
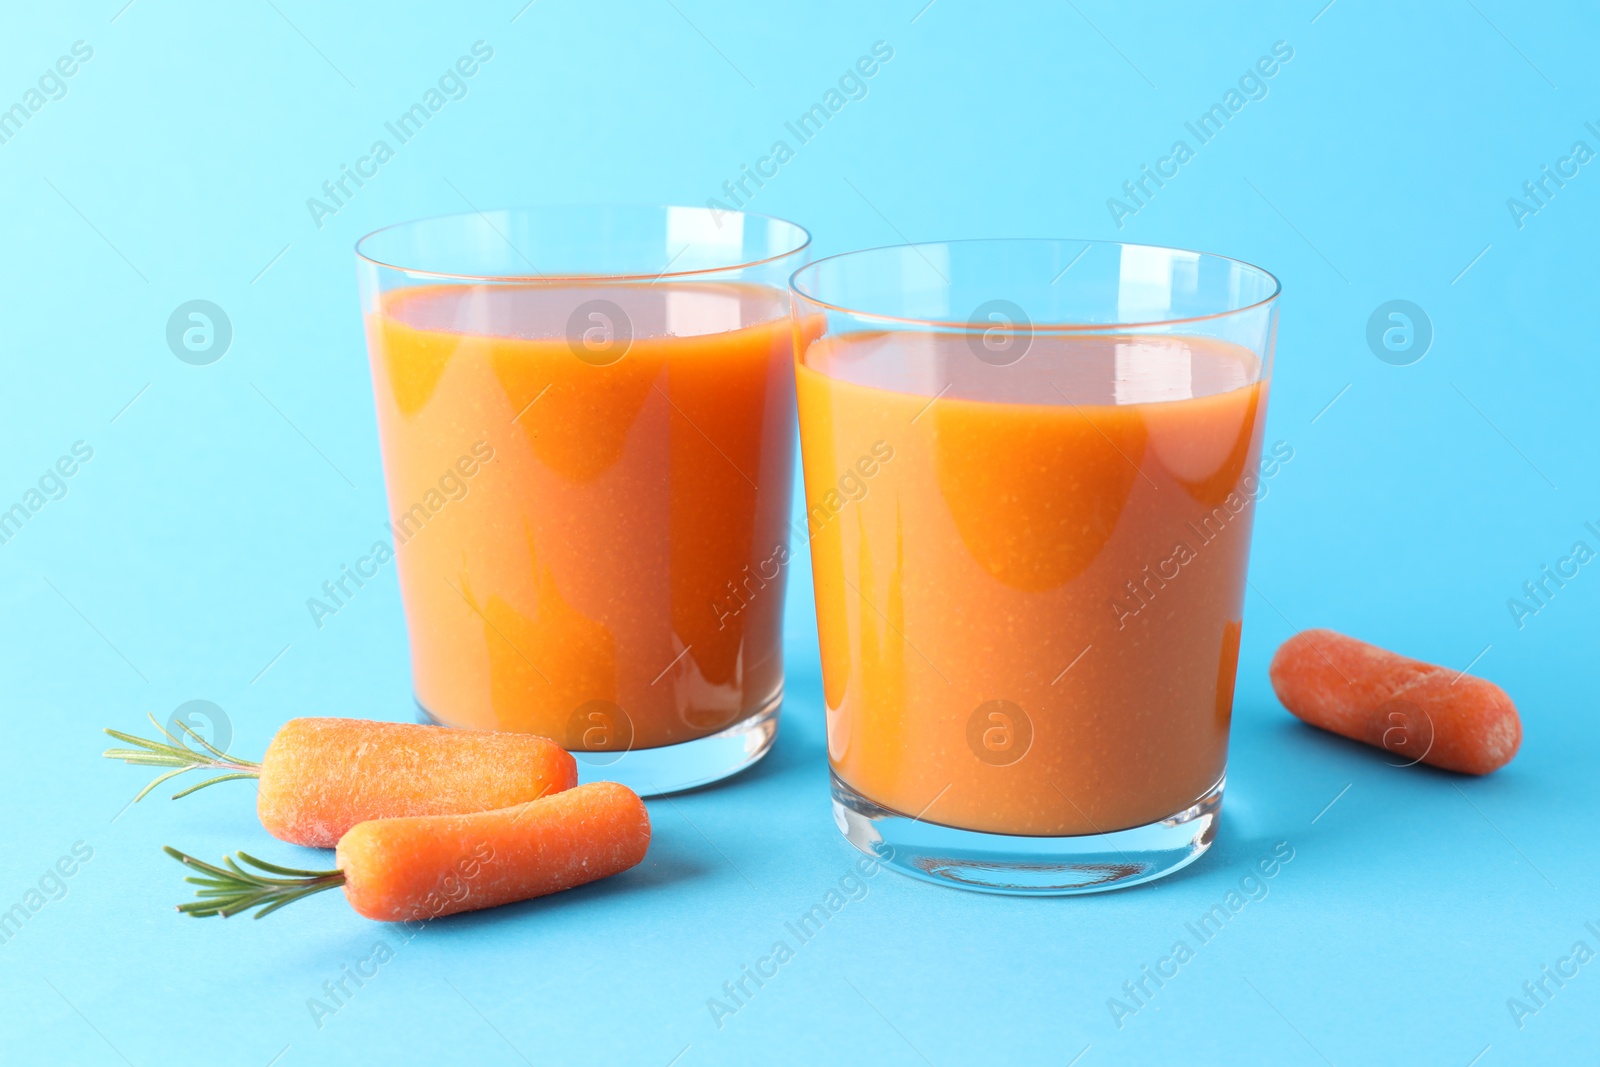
{"type": "Point", "coordinates": [1064, 327]}
{"type": "Point", "coordinates": [804, 242]}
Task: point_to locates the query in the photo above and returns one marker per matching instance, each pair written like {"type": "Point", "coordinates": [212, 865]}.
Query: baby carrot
{"type": "Point", "coordinates": [320, 777]}
{"type": "Point", "coordinates": [1421, 712]}
{"type": "Point", "coordinates": [422, 867]}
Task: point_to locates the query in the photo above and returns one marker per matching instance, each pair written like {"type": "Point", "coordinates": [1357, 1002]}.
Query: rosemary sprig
{"type": "Point", "coordinates": [231, 890]}
{"type": "Point", "coordinates": [180, 757]}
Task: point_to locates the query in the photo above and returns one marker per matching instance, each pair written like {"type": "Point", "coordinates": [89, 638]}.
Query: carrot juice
{"type": "Point", "coordinates": [1030, 618]}
{"type": "Point", "coordinates": [590, 489]}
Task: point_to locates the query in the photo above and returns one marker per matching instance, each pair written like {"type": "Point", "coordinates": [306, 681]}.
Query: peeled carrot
{"type": "Point", "coordinates": [320, 777]}
{"type": "Point", "coordinates": [1419, 711]}
{"type": "Point", "coordinates": [583, 834]}
{"type": "Point", "coordinates": [422, 867]}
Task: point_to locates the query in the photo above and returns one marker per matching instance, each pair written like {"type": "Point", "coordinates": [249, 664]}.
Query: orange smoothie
{"type": "Point", "coordinates": [1030, 619]}
{"type": "Point", "coordinates": [590, 527]}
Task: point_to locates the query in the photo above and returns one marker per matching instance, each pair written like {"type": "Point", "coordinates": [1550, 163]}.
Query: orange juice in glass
{"type": "Point", "coordinates": [585, 416]}
{"type": "Point", "coordinates": [1030, 613]}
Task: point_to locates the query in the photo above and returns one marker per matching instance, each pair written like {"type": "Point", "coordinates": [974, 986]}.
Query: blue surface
{"type": "Point", "coordinates": [176, 567]}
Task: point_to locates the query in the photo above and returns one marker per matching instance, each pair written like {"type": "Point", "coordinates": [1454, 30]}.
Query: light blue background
{"type": "Point", "coordinates": [177, 567]}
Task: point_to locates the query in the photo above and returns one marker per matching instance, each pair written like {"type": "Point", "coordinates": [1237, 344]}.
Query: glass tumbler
{"type": "Point", "coordinates": [1030, 473]}
{"type": "Point", "coordinates": [586, 421]}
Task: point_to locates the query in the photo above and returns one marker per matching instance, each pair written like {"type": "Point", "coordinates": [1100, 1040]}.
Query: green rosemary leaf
{"type": "Point", "coordinates": [147, 756]}
{"type": "Point", "coordinates": [207, 745]}
{"type": "Point", "coordinates": [293, 872]}
{"type": "Point", "coordinates": [214, 781]}
{"type": "Point", "coordinates": [138, 741]}
{"type": "Point", "coordinates": [200, 864]}
{"type": "Point", "coordinates": [231, 890]}
{"type": "Point", "coordinates": [170, 774]}
{"type": "Point", "coordinates": [290, 899]}
{"type": "Point", "coordinates": [164, 731]}
{"type": "Point", "coordinates": [180, 758]}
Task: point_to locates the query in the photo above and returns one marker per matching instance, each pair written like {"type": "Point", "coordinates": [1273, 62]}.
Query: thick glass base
{"type": "Point", "coordinates": [1038, 866]}
{"type": "Point", "coordinates": [654, 772]}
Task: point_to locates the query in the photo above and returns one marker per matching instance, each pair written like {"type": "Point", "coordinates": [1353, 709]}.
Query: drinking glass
{"type": "Point", "coordinates": [586, 421]}
{"type": "Point", "coordinates": [1030, 472]}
